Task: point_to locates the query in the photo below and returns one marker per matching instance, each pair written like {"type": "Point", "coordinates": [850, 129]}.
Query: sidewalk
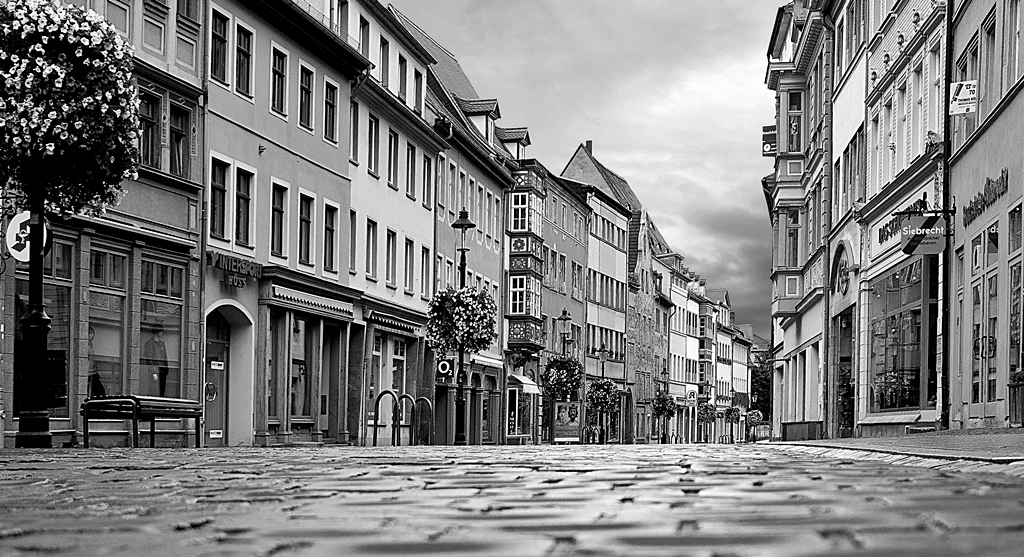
{"type": "Point", "coordinates": [996, 450]}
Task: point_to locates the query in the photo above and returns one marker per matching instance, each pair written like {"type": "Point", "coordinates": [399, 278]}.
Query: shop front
{"type": "Point", "coordinates": [843, 312]}
{"type": "Point", "coordinates": [898, 319]}
{"type": "Point", "coordinates": [121, 303]}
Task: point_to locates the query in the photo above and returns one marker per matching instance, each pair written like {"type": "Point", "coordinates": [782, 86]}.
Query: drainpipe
{"type": "Point", "coordinates": [828, 81]}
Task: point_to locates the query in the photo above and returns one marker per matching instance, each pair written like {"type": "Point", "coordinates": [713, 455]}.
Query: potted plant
{"type": "Point", "coordinates": [754, 418]}
{"type": "Point", "coordinates": [602, 396]}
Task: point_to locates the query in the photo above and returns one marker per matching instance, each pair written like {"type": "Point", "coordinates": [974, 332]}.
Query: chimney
{"type": "Point", "coordinates": [590, 147]}
{"type": "Point", "coordinates": [732, 317]}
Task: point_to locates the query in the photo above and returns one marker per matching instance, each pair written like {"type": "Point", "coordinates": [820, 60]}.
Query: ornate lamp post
{"type": "Point", "coordinates": [602, 354]}
{"type": "Point", "coordinates": [462, 224]}
{"type": "Point", "coordinates": [565, 321]}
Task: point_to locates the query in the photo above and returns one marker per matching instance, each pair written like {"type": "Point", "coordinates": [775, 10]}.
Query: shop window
{"type": "Point", "coordinates": [519, 417]}
{"type": "Point", "coordinates": [1014, 243]}
{"type": "Point", "coordinates": [57, 297]}
{"type": "Point", "coordinates": [399, 380]}
{"type": "Point", "coordinates": [105, 349]}
{"type": "Point", "coordinates": [1015, 315]}
{"type": "Point", "coordinates": [302, 367]}
{"type": "Point", "coordinates": [161, 326]}
{"type": "Point", "coordinates": [993, 337]}
{"type": "Point", "coordinates": [898, 328]}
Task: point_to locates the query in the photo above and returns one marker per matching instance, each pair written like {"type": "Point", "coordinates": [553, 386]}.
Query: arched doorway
{"type": "Point", "coordinates": [228, 381]}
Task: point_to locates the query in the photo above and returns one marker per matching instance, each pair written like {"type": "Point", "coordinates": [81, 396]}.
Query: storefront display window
{"type": "Point", "coordinates": [105, 352]}
{"type": "Point", "coordinates": [301, 370]}
{"type": "Point", "coordinates": [161, 349]}
{"type": "Point", "coordinates": [900, 377]}
{"type": "Point", "coordinates": [520, 418]}
{"type": "Point", "coordinates": [1015, 309]}
{"type": "Point", "coordinates": [57, 297]}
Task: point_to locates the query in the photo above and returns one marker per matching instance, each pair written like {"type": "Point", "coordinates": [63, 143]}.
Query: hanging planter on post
{"type": "Point", "coordinates": [562, 376]}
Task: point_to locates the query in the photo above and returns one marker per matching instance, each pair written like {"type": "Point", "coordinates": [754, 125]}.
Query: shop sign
{"type": "Point", "coordinates": [886, 233]}
{"type": "Point", "coordinates": [17, 236]}
{"type": "Point", "coordinates": [993, 190]}
{"type": "Point", "coordinates": [236, 270]}
{"type": "Point", "coordinates": [923, 235]}
{"type": "Point", "coordinates": [769, 141]}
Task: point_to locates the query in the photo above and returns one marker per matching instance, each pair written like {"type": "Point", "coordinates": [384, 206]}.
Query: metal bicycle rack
{"type": "Point", "coordinates": [396, 416]}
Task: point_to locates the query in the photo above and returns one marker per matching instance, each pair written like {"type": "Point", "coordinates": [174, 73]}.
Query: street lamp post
{"type": "Point", "coordinates": [602, 354]}
{"type": "Point", "coordinates": [732, 426]}
{"type": "Point", "coordinates": [462, 224]}
{"type": "Point", "coordinates": [703, 398]}
{"type": "Point", "coordinates": [565, 319]}
{"type": "Point", "coordinates": [666, 418]}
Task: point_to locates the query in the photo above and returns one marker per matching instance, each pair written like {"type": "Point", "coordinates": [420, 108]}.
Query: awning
{"type": "Point", "coordinates": [528, 385]}
{"type": "Point", "coordinates": [486, 360]}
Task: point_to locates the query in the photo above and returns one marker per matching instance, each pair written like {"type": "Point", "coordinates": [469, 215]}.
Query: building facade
{"type": "Point", "coordinates": [279, 305]}
{"type": "Point", "coordinates": [986, 166]}
{"type": "Point", "coordinates": [799, 72]}
{"type": "Point", "coordinates": [124, 290]}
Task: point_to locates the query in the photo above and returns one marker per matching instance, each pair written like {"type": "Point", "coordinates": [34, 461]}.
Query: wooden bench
{"type": "Point", "coordinates": [135, 408]}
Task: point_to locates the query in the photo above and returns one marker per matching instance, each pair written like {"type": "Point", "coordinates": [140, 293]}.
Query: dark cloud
{"type": "Point", "coordinates": [672, 94]}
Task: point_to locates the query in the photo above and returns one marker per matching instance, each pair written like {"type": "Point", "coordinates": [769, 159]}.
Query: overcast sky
{"type": "Point", "coordinates": [670, 91]}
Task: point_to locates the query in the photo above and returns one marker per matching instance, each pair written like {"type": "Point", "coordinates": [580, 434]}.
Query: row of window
{"type": "Point", "coordinates": [463, 191]}
{"type": "Point", "coordinates": [605, 290]}
{"type": "Point", "coordinates": [232, 62]}
{"type": "Point", "coordinates": [557, 212]}
{"type": "Point", "coordinates": [684, 369]}
{"type": "Point", "coordinates": [685, 322]}
{"type": "Point", "coordinates": [608, 231]}
{"type": "Point", "coordinates": [609, 339]}
{"type": "Point", "coordinates": [382, 72]}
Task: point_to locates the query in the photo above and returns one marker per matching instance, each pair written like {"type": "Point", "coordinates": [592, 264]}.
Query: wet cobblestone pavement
{"type": "Point", "coordinates": [678, 500]}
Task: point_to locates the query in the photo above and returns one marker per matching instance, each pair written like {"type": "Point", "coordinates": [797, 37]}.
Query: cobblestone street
{"type": "Point", "coordinates": [618, 500]}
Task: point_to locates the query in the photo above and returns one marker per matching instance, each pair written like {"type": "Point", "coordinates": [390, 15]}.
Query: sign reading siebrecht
{"type": "Point", "coordinates": [923, 235]}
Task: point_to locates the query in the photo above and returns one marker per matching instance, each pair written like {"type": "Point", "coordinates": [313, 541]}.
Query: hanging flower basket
{"type": "Point", "coordinates": [664, 405]}
{"type": "Point", "coordinates": [562, 376]}
{"type": "Point", "coordinates": [706, 413]}
{"type": "Point", "coordinates": [602, 395]}
{"type": "Point", "coordinates": [732, 415]}
{"type": "Point", "coordinates": [754, 418]}
{"type": "Point", "coordinates": [69, 112]}
{"type": "Point", "coordinates": [461, 318]}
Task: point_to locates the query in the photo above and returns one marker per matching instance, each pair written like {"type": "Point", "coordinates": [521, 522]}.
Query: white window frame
{"type": "Point", "coordinates": [253, 207]}
{"type": "Point", "coordinates": [287, 79]}
{"type": "Point", "coordinates": [311, 129]}
{"type": "Point", "coordinates": [328, 82]}
{"type": "Point", "coordinates": [251, 97]}
{"type": "Point", "coordinates": [228, 48]}
{"type": "Point", "coordinates": [227, 241]}
{"type": "Point", "coordinates": [285, 226]}
{"type": "Point", "coordinates": [337, 237]}
{"type": "Point", "coordinates": [517, 295]}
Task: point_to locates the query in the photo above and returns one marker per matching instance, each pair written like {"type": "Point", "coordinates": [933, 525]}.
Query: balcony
{"type": "Point", "coordinates": [784, 307]}
{"type": "Point", "coordinates": [704, 354]}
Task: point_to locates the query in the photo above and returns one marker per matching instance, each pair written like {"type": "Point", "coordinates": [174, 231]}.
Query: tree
{"type": "Point", "coordinates": [664, 408]}
{"type": "Point", "coordinates": [562, 376]}
{"type": "Point", "coordinates": [761, 384]}
{"type": "Point", "coordinates": [68, 126]}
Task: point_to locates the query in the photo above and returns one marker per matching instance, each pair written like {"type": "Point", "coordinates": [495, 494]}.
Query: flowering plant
{"type": "Point", "coordinates": [68, 107]}
{"type": "Point", "coordinates": [732, 415]}
{"type": "Point", "coordinates": [602, 395]}
{"type": "Point", "coordinates": [664, 405]}
{"type": "Point", "coordinates": [706, 413]}
{"type": "Point", "coordinates": [754, 418]}
{"type": "Point", "coordinates": [562, 376]}
{"type": "Point", "coordinates": [461, 318]}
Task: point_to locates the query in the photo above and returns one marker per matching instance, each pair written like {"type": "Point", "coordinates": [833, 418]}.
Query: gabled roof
{"type": "Point", "coordinates": [582, 166]}
{"type": "Point", "coordinates": [659, 244]}
{"type": "Point", "coordinates": [512, 135]}
{"type": "Point", "coordinates": [473, 107]}
{"type": "Point", "coordinates": [720, 295]}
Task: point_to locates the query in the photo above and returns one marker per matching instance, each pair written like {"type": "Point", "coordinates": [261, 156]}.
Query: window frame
{"type": "Point", "coordinates": [331, 108]}
{"type": "Point", "coordinates": [306, 228]}
{"type": "Point", "coordinates": [248, 92]}
{"type": "Point", "coordinates": [281, 112]}
{"type": "Point", "coordinates": [223, 81]}
{"type": "Point", "coordinates": [283, 228]}
{"type": "Point", "coordinates": [306, 122]}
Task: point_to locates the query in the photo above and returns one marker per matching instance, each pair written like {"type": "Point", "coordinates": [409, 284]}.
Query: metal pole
{"type": "Point", "coordinates": [460, 398]}
{"type": "Point", "coordinates": [34, 418]}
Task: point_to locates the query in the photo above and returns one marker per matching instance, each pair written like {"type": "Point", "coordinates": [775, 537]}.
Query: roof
{"type": "Point", "coordinates": [447, 68]}
{"type": "Point", "coordinates": [720, 295]}
{"type": "Point", "coordinates": [585, 168]}
{"type": "Point", "coordinates": [659, 242]}
{"type": "Point", "coordinates": [473, 107]}
{"type": "Point", "coordinates": [509, 135]}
